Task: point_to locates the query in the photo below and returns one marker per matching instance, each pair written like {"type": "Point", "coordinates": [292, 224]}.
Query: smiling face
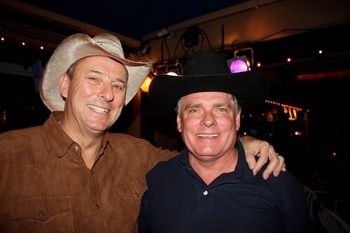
{"type": "Point", "coordinates": [208, 122]}
{"type": "Point", "coordinates": [95, 93]}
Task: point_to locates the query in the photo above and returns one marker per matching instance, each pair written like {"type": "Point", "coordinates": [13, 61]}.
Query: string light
{"type": "Point", "coordinates": [297, 133]}
{"type": "Point", "coordinates": [283, 105]}
{"type": "Point", "coordinates": [258, 64]}
{"type": "Point", "coordinates": [292, 111]}
{"type": "Point", "coordinates": [23, 43]}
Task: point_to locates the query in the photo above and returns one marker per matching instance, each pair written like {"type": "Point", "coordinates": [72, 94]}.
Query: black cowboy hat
{"type": "Point", "coordinates": [206, 71]}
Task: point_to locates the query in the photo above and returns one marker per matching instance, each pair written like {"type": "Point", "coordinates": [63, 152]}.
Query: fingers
{"type": "Point", "coordinates": [251, 162]}
{"type": "Point", "coordinates": [281, 166]}
{"type": "Point", "coordinates": [284, 167]}
{"type": "Point", "coordinates": [251, 148]}
{"type": "Point", "coordinates": [264, 151]}
{"type": "Point", "coordinates": [275, 166]}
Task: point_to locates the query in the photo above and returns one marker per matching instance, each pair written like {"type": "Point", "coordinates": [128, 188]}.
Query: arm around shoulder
{"type": "Point", "coordinates": [264, 152]}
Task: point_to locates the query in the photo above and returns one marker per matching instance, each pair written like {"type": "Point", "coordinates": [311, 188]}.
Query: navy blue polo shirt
{"type": "Point", "coordinates": [179, 201]}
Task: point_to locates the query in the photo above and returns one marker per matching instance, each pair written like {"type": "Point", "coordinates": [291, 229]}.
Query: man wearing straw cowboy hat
{"type": "Point", "coordinates": [70, 174]}
{"type": "Point", "coordinates": [209, 187]}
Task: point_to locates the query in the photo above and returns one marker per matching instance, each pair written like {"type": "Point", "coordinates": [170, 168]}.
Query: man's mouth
{"type": "Point", "coordinates": [98, 109]}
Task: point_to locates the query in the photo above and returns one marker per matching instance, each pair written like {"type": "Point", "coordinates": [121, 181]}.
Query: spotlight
{"type": "Point", "coordinates": [239, 64]}
{"type": "Point", "coordinates": [242, 59]}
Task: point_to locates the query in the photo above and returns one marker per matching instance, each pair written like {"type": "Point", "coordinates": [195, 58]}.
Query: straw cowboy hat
{"type": "Point", "coordinates": [78, 46]}
{"type": "Point", "coordinates": [206, 71]}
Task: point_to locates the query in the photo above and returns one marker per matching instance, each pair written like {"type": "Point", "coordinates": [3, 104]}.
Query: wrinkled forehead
{"type": "Point", "coordinates": [94, 61]}
{"type": "Point", "coordinates": [202, 98]}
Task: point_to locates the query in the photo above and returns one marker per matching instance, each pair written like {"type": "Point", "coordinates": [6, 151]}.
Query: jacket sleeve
{"type": "Point", "coordinates": [144, 225]}
{"type": "Point", "coordinates": [158, 154]}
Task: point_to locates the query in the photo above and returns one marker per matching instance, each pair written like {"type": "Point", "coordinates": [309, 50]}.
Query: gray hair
{"type": "Point", "coordinates": [71, 69]}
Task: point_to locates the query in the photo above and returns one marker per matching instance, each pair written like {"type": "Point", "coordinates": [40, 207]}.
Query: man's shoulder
{"type": "Point", "coordinates": [166, 166]}
{"type": "Point", "coordinates": [132, 145]}
{"type": "Point", "coordinates": [19, 134]}
{"type": "Point", "coordinates": [14, 142]}
{"type": "Point", "coordinates": [166, 175]}
{"type": "Point", "coordinates": [126, 140]}
{"type": "Point", "coordinates": [285, 181]}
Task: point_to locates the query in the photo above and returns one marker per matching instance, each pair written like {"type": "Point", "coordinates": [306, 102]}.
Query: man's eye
{"type": "Point", "coordinates": [119, 86]}
{"type": "Point", "coordinates": [193, 110]}
{"type": "Point", "coordinates": [92, 78]}
{"type": "Point", "coordinates": [222, 110]}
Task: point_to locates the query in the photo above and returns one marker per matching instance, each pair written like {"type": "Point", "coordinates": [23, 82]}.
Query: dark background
{"type": "Point", "coordinates": [319, 157]}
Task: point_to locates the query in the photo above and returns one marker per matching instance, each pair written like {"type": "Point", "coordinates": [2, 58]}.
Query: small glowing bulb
{"type": "Point", "coordinates": [171, 73]}
{"type": "Point", "coordinates": [23, 43]}
{"type": "Point", "coordinates": [145, 85]}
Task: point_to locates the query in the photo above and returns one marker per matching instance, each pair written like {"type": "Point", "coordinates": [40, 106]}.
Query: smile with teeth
{"type": "Point", "coordinates": [207, 135]}
{"type": "Point", "coordinates": [98, 109]}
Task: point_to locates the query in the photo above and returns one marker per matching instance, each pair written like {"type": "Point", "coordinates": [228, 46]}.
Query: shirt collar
{"type": "Point", "coordinates": [242, 170]}
{"type": "Point", "coordinates": [58, 140]}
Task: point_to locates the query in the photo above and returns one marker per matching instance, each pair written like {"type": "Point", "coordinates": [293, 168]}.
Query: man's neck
{"type": "Point", "coordinates": [210, 170]}
{"type": "Point", "coordinates": [90, 143]}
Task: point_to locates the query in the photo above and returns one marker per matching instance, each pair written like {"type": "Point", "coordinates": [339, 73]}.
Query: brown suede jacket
{"type": "Point", "coordinates": [46, 187]}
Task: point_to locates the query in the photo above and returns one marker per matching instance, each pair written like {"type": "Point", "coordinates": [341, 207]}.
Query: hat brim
{"type": "Point", "coordinates": [250, 88]}
{"type": "Point", "coordinates": [74, 48]}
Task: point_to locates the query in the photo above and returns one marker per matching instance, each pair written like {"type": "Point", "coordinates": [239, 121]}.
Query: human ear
{"type": "Point", "coordinates": [178, 123]}
{"type": "Point", "coordinates": [64, 83]}
{"type": "Point", "coordinates": [238, 121]}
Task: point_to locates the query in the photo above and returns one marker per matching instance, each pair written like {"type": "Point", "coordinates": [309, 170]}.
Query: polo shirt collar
{"type": "Point", "coordinates": [242, 171]}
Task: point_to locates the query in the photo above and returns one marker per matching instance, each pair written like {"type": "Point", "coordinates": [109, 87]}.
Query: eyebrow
{"type": "Point", "coordinates": [100, 73]}
{"type": "Point", "coordinates": [190, 105]}
{"type": "Point", "coordinates": [229, 105]}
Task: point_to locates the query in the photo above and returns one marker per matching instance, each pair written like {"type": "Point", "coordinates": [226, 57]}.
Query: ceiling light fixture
{"type": "Point", "coordinates": [242, 60]}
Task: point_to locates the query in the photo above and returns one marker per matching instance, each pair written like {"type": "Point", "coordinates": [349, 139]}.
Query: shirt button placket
{"type": "Point", "coordinates": [42, 214]}
{"type": "Point", "coordinates": [76, 148]}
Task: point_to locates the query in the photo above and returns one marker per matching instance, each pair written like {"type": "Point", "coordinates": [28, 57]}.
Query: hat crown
{"type": "Point", "coordinates": [207, 71]}
{"type": "Point", "coordinates": [205, 63]}
{"type": "Point", "coordinates": [109, 43]}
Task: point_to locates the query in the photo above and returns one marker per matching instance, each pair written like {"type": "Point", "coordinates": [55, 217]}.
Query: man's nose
{"type": "Point", "coordinates": [208, 120]}
{"type": "Point", "coordinates": [106, 92]}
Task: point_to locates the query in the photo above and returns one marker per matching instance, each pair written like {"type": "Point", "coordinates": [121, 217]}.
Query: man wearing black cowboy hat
{"type": "Point", "coordinates": [209, 187]}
